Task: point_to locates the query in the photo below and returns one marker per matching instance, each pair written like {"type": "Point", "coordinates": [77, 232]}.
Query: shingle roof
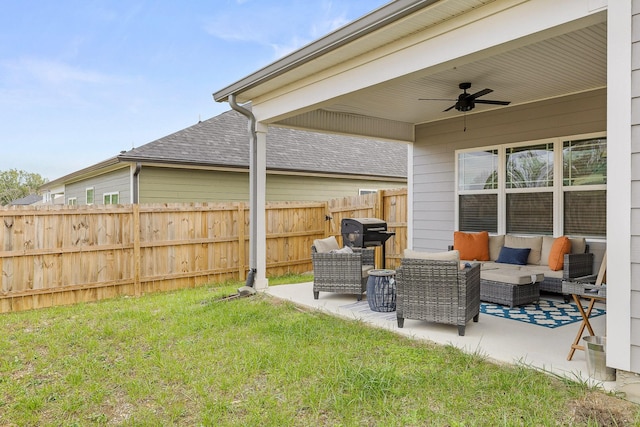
{"type": "Point", "coordinates": [27, 200]}
{"type": "Point", "coordinates": [223, 141]}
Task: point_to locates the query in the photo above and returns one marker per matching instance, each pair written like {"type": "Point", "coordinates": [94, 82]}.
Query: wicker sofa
{"type": "Point", "coordinates": [437, 290]}
{"type": "Point", "coordinates": [577, 262]}
{"type": "Point", "coordinates": [339, 270]}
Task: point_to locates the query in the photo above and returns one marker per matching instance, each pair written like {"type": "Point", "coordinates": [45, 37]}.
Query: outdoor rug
{"type": "Point", "coordinates": [361, 310]}
{"type": "Point", "coordinates": [547, 313]}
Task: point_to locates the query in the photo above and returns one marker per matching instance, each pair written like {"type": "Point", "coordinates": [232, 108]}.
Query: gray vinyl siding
{"type": "Point", "coordinates": [434, 152]}
{"type": "Point", "coordinates": [168, 185]}
{"type": "Point", "coordinates": [635, 196]}
{"type": "Point", "coordinates": [110, 182]}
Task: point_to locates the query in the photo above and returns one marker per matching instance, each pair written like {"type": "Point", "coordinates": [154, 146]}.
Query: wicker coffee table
{"type": "Point", "coordinates": [511, 290]}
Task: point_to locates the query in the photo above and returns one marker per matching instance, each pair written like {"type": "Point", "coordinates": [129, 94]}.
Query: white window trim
{"type": "Point", "coordinates": [558, 187]}
{"type": "Point", "coordinates": [86, 199]}
{"type": "Point", "coordinates": [362, 191]}
{"type": "Point", "coordinates": [72, 199]}
{"type": "Point", "coordinates": [110, 195]}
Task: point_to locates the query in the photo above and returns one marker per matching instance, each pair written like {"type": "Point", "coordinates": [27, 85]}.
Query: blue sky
{"type": "Point", "coordinates": [82, 80]}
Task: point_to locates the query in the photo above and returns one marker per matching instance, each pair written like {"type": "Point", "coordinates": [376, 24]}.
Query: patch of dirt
{"type": "Point", "coordinates": [601, 409]}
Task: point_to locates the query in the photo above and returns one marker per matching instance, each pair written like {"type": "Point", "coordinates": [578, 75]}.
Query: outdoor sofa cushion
{"type": "Point", "coordinates": [433, 256]}
{"type": "Point", "coordinates": [326, 245]}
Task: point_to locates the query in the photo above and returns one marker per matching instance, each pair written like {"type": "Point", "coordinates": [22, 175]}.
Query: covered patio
{"type": "Point", "coordinates": [500, 340]}
{"type": "Point", "coordinates": [398, 73]}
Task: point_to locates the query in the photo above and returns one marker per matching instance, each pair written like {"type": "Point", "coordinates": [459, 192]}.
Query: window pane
{"type": "Point", "coordinates": [530, 213]}
{"type": "Point", "coordinates": [585, 213]}
{"type": "Point", "coordinates": [479, 212]}
{"type": "Point", "coordinates": [114, 199]}
{"type": "Point", "coordinates": [478, 170]}
{"type": "Point", "coordinates": [585, 162]}
{"type": "Point", "coordinates": [530, 166]}
{"type": "Point", "coordinates": [89, 196]}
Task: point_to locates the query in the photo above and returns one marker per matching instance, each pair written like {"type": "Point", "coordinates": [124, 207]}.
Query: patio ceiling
{"type": "Point", "coordinates": [561, 60]}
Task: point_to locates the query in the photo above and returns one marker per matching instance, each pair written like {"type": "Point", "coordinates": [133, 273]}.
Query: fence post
{"type": "Point", "coordinates": [136, 250]}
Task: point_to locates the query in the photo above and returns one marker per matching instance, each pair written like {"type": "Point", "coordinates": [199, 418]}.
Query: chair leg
{"type": "Point", "coordinates": [461, 330]}
{"type": "Point", "coordinates": [359, 297]}
{"type": "Point", "coordinates": [400, 322]}
{"type": "Point", "coordinates": [316, 294]}
{"type": "Point", "coordinates": [476, 317]}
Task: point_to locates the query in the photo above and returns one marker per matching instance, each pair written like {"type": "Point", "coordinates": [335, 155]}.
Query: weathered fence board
{"type": "Point", "coordinates": [57, 255]}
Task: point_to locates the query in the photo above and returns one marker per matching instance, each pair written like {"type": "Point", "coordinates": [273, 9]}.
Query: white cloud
{"type": "Point", "coordinates": [53, 72]}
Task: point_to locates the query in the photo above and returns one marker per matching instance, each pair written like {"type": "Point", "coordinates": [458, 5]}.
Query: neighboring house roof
{"type": "Point", "coordinates": [27, 200]}
{"type": "Point", "coordinates": [223, 141]}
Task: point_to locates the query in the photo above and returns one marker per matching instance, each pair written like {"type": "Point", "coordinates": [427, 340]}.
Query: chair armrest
{"type": "Point", "coordinates": [368, 255]}
{"type": "Point", "coordinates": [577, 265]}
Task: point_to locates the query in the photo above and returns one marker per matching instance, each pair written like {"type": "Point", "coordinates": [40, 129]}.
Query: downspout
{"type": "Point", "coordinates": [136, 191]}
{"type": "Point", "coordinates": [253, 200]}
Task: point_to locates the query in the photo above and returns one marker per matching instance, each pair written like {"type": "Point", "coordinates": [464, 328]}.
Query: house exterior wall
{"type": "Point", "coordinates": [169, 185]}
{"type": "Point", "coordinates": [434, 152]}
{"type": "Point", "coordinates": [110, 182]}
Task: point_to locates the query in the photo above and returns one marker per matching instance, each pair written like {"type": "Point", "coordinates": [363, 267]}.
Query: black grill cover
{"type": "Point", "coordinates": [364, 232]}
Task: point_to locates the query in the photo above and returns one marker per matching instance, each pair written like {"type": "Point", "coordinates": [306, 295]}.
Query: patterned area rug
{"type": "Point", "coordinates": [547, 313]}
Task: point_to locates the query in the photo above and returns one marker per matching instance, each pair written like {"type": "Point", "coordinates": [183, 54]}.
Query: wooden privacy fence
{"type": "Point", "coordinates": [57, 255]}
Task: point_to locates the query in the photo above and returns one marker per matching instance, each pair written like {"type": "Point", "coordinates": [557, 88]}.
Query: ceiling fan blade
{"type": "Point", "coordinates": [436, 99]}
{"type": "Point", "coordinates": [450, 108]}
{"type": "Point", "coordinates": [481, 93]}
{"type": "Point", "coordinates": [486, 101]}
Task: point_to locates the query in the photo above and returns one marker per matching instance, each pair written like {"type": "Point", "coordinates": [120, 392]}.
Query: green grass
{"type": "Point", "coordinates": [186, 358]}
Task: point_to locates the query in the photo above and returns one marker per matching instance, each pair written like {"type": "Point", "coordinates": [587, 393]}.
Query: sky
{"type": "Point", "coordinates": [82, 80]}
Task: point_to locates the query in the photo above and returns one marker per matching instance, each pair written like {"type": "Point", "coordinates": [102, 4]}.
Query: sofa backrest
{"type": "Point", "coordinates": [533, 243]}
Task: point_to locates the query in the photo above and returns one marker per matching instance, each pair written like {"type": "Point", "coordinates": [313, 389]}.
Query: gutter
{"type": "Point", "coordinates": [253, 199]}
{"type": "Point", "coordinates": [368, 24]}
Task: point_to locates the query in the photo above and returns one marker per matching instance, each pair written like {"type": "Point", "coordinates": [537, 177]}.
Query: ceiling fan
{"type": "Point", "coordinates": [467, 101]}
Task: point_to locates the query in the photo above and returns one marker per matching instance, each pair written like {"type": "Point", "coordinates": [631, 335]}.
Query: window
{"type": "Point", "coordinates": [551, 187]}
{"type": "Point", "coordinates": [89, 195]}
{"type": "Point", "coordinates": [110, 198]}
{"type": "Point", "coordinates": [363, 191]}
{"type": "Point", "coordinates": [72, 201]}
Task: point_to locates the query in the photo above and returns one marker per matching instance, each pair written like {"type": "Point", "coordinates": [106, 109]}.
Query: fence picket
{"type": "Point", "coordinates": [59, 255]}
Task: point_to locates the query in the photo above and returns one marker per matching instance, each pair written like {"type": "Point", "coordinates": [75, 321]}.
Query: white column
{"type": "Point", "coordinates": [620, 106]}
{"type": "Point", "coordinates": [261, 281]}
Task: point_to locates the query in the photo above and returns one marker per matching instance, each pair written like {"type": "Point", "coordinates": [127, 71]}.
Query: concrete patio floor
{"type": "Point", "coordinates": [498, 339]}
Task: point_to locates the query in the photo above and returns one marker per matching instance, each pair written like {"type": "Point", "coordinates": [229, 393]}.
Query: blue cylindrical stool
{"type": "Point", "coordinates": [381, 290]}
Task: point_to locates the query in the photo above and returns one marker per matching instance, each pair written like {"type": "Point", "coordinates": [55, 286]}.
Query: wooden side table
{"type": "Point", "coordinates": [585, 317]}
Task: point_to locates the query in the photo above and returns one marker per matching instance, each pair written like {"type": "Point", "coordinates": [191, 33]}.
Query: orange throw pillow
{"type": "Point", "coordinates": [472, 246]}
{"type": "Point", "coordinates": [561, 246]}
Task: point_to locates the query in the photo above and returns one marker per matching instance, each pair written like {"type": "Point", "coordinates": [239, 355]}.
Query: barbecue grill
{"type": "Point", "coordinates": [365, 232]}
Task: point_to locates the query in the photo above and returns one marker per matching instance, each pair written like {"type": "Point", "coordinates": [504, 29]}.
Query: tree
{"type": "Point", "coordinates": [15, 184]}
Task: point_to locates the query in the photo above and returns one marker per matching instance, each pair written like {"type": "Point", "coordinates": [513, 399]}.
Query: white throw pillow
{"type": "Point", "coordinates": [345, 250]}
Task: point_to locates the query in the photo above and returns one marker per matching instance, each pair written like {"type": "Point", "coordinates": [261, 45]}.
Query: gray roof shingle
{"type": "Point", "coordinates": [223, 141]}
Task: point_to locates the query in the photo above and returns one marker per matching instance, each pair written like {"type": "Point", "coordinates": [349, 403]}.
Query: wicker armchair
{"type": "Point", "coordinates": [437, 291]}
{"type": "Point", "coordinates": [345, 273]}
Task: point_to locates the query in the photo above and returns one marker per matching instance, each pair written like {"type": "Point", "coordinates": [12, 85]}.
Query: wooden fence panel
{"type": "Point", "coordinates": [57, 255]}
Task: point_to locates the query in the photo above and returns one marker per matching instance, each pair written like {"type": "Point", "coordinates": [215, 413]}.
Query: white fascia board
{"type": "Point", "coordinates": [436, 47]}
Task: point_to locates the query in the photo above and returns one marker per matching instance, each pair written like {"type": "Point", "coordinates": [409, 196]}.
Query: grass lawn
{"type": "Point", "coordinates": [188, 358]}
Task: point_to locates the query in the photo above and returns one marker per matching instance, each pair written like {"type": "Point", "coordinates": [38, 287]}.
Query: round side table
{"type": "Point", "coordinates": [381, 290]}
